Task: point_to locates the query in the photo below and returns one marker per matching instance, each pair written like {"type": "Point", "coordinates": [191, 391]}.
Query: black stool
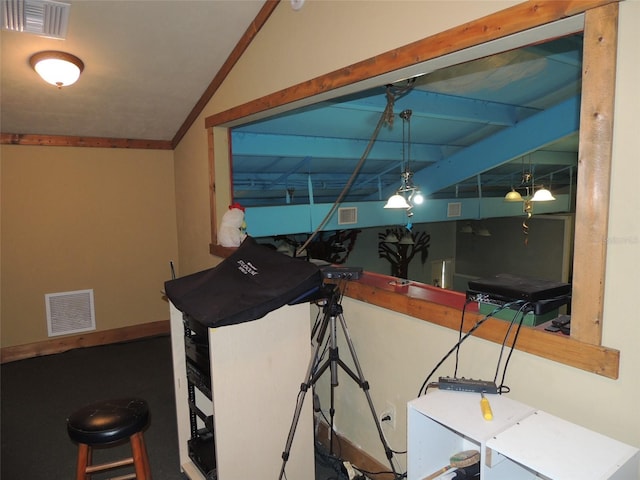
{"type": "Point", "coordinates": [109, 422]}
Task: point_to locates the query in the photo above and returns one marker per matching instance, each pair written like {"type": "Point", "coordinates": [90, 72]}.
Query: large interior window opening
{"type": "Point", "coordinates": [599, 18]}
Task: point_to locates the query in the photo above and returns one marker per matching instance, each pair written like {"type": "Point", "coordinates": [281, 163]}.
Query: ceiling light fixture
{"type": "Point", "coordinates": [408, 193]}
{"type": "Point", "coordinates": [57, 68]}
{"type": "Point", "coordinates": [466, 228]}
{"type": "Point", "coordinates": [527, 184]}
{"type": "Point", "coordinates": [391, 238]}
{"type": "Point", "coordinates": [513, 196]}
{"type": "Point", "coordinates": [397, 201]}
{"type": "Point", "coordinates": [542, 195]}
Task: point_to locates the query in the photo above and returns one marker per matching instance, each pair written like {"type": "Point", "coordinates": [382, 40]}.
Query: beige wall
{"type": "Point", "coordinates": [292, 47]}
{"type": "Point", "coordinates": [85, 218]}
{"type": "Point", "coordinates": [75, 218]}
{"type": "Point", "coordinates": [396, 351]}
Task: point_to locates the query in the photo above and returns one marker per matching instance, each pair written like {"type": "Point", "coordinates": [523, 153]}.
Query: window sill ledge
{"type": "Point", "coordinates": [444, 308]}
{"type": "Point", "coordinates": [220, 251]}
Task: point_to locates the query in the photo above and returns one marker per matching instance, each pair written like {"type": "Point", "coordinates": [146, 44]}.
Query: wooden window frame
{"type": "Point", "coordinates": [583, 348]}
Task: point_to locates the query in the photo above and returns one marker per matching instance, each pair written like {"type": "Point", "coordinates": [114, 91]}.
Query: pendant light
{"type": "Point", "coordinates": [542, 195]}
{"type": "Point", "coordinates": [408, 193]}
{"type": "Point", "coordinates": [513, 196]}
{"type": "Point", "coordinates": [397, 201]}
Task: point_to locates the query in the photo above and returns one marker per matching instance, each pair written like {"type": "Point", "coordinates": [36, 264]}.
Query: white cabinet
{"type": "Point", "coordinates": [519, 443]}
{"type": "Point", "coordinates": [443, 423]}
{"type": "Point", "coordinates": [257, 368]}
{"type": "Point", "coordinates": [555, 448]}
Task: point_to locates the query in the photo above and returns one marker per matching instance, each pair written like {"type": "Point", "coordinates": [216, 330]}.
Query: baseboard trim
{"type": "Point", "coordinates": [93, 339]}
{"type": "Point", "coordinates": [353, 454]}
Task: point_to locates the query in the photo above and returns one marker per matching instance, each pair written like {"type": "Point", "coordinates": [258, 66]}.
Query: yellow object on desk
{"type": "Point", "coordinates": [486, 408]}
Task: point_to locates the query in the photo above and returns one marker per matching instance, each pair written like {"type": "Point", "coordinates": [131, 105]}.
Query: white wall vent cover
{"type": "Point", "coordinates": [70, 312]}
{"type": "Point", "coordinates": [41, 17]}
{"type": "Point", "coordinates": [347, 215]}
{"type": "Point", "coordinates": [454, 209]}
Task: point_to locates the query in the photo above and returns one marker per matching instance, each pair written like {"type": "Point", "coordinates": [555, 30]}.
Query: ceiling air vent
{"type": "Point", "coordinates": [40, 17]}
{"type": "Point", "coordinates": [347, 216]}
{"type": "Point", "coordinates": [454, 209]}
{"type": "Point", "coordinates": [70, 312]}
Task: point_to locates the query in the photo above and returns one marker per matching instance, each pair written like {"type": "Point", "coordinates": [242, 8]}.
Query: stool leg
{"type": "Point", "coordinates": [84, 460]}
{"type": "Point", "coordinates": [140, 458]}
{"type": "Point", "coordinates": [146, 458]}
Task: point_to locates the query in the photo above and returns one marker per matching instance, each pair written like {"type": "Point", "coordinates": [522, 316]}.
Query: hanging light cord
{"type": "Point", "coordinates": [393, 93]}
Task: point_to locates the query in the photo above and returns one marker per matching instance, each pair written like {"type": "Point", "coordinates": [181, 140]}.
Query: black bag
{"type": "Point", "coordinates": [247, 285]}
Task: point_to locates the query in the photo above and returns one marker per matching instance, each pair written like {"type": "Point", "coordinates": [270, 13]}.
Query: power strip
{"type": "Point", "coordinates": [467, 385]}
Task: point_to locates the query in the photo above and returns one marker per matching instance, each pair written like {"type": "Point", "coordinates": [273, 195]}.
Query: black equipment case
{"type": "Point", "coordinates": [247, 285]}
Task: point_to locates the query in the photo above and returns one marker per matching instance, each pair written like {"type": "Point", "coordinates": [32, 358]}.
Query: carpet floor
{"type": "Point", "coordinates": [38, 394]}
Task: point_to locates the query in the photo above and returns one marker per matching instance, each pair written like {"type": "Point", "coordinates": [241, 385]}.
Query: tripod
{"type": "Point", "coordinates": [332, 315]}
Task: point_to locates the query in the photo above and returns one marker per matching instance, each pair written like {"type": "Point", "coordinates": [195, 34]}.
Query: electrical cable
{"type": "Point", "coordinates": [382, 472]}
{"type": "Point", "coordinates": [467, 335]}
{"type": "Point", "coordinates": [521, 314]}
{"type": "Point", "coordinates": [392, 93]}
{"type": "Point", "coordinates": [430, 385]}
{"type": "Point", "coordinates": [464, 308]}
{"type": "Point", "coordinates": [513, 345]}
{"type": "Point", "coordinates": [316, 322]}
{"type": "Point", "coordinates": [391, 449]}
{"type": "Point", "coordinates": [328, 460]}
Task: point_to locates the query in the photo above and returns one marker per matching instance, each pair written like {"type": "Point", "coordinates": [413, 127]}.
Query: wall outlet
{"type": "Point", "coordinates": [388, 416]}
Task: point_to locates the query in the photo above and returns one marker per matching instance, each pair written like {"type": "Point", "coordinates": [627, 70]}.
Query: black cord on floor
{"type": "Point", "coordinates": [330, 461]}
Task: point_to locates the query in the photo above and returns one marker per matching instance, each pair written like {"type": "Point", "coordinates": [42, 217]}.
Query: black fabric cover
{"type": "Point", "coordinates": [247, 285]}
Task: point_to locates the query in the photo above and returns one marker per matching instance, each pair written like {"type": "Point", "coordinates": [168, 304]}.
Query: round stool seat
{"type": "Point", "coordinates": [108, 421]}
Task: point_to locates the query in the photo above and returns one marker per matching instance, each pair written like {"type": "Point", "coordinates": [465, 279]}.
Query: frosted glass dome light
{"type": "Point", "coordinates": [57, 68]}
{"type": "Point", "coordinates": [397, 201]}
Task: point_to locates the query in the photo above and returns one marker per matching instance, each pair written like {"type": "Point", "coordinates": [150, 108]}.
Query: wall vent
{"type": "Point", "coordinates": [70, 312]}
{"type": "Point", "coordinates": [454, 209]}
{"type": "Point", "coordinates": [41, 17]}
{"type": "Point", "coordinates": [347, 215]}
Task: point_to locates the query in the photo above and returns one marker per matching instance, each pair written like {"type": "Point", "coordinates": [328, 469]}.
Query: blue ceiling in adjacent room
{"type": "Point", "coordinates": [475, 127]}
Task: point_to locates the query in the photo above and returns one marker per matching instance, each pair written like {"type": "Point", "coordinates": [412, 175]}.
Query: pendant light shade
{"type": "Point", "coordinates": [528, 184]}
{"type": "Point", "coordinates": [407, 239]}
{"type": "Point", "coordinates": [57, 68]}
{"type": "Point", "coordinates": [483, 232]}
{"type": "Point", "coordinates": [513, 196]}
{"type": "Point", "coordinates": [391, 238]}
{"type": "Point", "coordinates": [397, 201]}
{"type": "Point", "coordinates": [542, 195]}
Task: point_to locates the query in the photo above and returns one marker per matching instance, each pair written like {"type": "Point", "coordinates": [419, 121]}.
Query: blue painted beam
{"type": "Point", "coordinates": [447, 107]}
{"type": "Point", "coordinates": [278, 145]}
{"type": "Point", "coordinates": [294, 219]}
{"type": "Point", "coordinates": [284, 176]}
{"type": "Point", "coordinates": [527, 136]}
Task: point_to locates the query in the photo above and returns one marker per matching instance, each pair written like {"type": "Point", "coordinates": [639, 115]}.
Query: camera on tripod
{"type": "Point", "coordinates": [326, 330]}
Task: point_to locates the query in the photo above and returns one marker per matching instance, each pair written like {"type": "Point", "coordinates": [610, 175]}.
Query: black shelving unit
{"type": "Point", "coordinates": [201, 444]}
